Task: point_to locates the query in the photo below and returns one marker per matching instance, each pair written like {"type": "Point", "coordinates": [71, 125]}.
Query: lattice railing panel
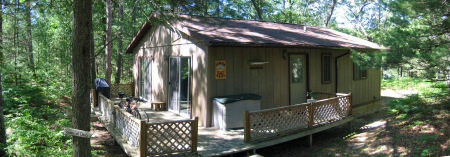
{"type": "Point", "coordinates": [170, 137]}
{"type": "Point", "coordinates": [128, 126]}
{"type": "Point", "coordinates": [272, 122]}
{"type": "Point", "coordinates": [275, 122]}
{"type": "Point", "coordinates": [106, 108]}
{"type": "Point", "coordinates": [330, 110]}
{"type": "Point", "coordinates": [125, 88]}
{"type": "Point", "coordinates": [326, 111]}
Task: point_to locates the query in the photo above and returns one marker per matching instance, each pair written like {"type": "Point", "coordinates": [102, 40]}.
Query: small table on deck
{"type": "Point", "coordinates": [158, 106]}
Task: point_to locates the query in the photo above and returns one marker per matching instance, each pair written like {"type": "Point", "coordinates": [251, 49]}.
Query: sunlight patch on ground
{"type": "Point", "coordinates": [376, 124]}
{"type": "Point", "coordinates": [379, 150]}
{"type": "Point", "coordinates": [362, 137]}
{"type": "Point", "coordinates": [424, 129]}
{"type": "Point", "coordinates": [372, 141]}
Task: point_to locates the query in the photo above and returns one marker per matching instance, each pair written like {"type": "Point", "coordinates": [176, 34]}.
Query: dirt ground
{"type": "Point", "coordinates": [103, 143]}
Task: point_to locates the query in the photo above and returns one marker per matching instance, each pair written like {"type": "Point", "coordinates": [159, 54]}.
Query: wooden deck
{"type": "Point", "coordinates": [215, 142]}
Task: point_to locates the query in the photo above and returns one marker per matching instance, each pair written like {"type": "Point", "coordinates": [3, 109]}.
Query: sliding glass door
{"type": "Point", "coordinates": [179, 85]}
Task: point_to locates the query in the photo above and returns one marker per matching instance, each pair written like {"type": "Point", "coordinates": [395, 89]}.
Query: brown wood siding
{"type": "Point", "coordinates": [272, 81]}
{"type": "Point", "coordinates": [159, 43]}
{"type": "Point", "coordinates": [364, 90]}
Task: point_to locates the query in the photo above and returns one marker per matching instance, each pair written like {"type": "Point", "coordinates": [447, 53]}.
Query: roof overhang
{"type": "Point", "coordinates": [186, 31]}
{"type": "Point", "coordinates": [138, 37]}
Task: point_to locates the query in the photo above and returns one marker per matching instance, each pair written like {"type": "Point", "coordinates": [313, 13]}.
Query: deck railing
{"type": "Point", "coordinates": [170, 137]}
{"type": "Point", "coordinates": [128, 89]}
{"type": "Point", "coordinates": [150, 139]}
{"type": "Point", "coordinates": [274, 122]}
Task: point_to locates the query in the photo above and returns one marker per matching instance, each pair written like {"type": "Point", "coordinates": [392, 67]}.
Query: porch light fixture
{"type": "Point", "coordinates": [257, 65]}
{"type": "Point", "coordinates": [284, 54]}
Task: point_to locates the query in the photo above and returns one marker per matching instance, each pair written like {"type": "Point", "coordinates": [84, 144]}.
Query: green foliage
{"type": "Point", "coordinates": [36, 137]}
{"type": "Point", "coordinates": [367, 60]}
{"type": "Point", "coordinates": [410, 105]}
{"type": "Point", "coordinates": [418, 36]}
{"type": "Point", "coordinates": [34, 120]}
{"type": "Point", "coordinates": [404, 83]}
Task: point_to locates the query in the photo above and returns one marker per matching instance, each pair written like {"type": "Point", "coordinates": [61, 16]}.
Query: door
{"type": "Point", "coordinates": [179, 85]}
{"type": "Point", "coordinates": [145, 74]}
{"type": "Point", "coordinates": [297, 79]}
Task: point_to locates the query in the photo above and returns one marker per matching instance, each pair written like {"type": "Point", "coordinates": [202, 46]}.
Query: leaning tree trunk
{"type": "Point", "coordinates": [108, 41]}
{"type": "Point", "coordinates": [258, 9]}
{"type": "Point", "coordinates": [2, 120]}
{"type": "Point", "coordinates": [81, 46]}
{"type": "Point", "coordinates": [331, 13]}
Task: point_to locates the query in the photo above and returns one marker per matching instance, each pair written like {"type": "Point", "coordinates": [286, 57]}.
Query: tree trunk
{"type": "Point", "coordinates": [92, 59]}
{"type": "Point", "coordinates": [29, 36]}
{"type": "Point", "coordinates": [2, 120]}
{"type": "Point", "coordinates": [205, 12]}
{"type": "Point", "coordinates": [119, 44]}
{"type": "Point", "coordinates": [218, 8]}
{"type": "Point", "coordinates": [81, 46]}
{"type": "Point", "coordinates": [291, 20]}
{"type": "Point", "coordinates": [16, 36]}
{"type": "Point", "coordinates": [331, 13]}
{"type": "Point", "coordinates": [108, 41]}
{"type": "Point", "coordinates": [258, 9]}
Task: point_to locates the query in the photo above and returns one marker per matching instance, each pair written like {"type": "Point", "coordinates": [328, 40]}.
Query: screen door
{"type": "Point", "coordinates": [297, 79]}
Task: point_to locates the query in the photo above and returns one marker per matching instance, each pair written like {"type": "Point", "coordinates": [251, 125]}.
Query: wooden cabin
{"type": "Point", "coordinates": [189, 60]}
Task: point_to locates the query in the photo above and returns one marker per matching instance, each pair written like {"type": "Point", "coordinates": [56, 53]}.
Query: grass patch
{"type": "Point", "coordinates": [402, 83]}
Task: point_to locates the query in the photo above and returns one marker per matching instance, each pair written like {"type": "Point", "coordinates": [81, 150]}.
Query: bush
{"type": "Point", "coordinates": [34, 137]}
{"type": "Point", "coordinates": [410, 105]}
{"type": "Point", "coordinates": [34, 119]}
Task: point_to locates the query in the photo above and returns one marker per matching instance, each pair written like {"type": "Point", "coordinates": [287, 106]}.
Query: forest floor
{"type": "Point", "coordinates": [373, 135]}
{"type": "Point", "coordinates": [103, 143]}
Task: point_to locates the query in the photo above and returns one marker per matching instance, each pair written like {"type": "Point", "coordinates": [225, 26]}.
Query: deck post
{"type": "Point", "coordinates": [310, 140]}
{"type": "Point", "coordinates": [194, 135]}
{"type": "Point", "coordinates": [93, 97]}
{"type": "Point", "coordinates": [350, 104]}
{"type": "Point", "coordinates": [142, 150]}
{"type": "Point", "coordinates": [132, 89]}
{"type": "Point", "coordinates": [247, 135]}
{"type": "Point", "coordinates": [311, 114]}
{"type": "Point", "coordinates": [114, 115]}
{"type": "Point", "coordinates": [350, 124]}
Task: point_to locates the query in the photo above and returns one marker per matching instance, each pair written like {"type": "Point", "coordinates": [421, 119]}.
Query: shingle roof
{"type": "Point", "coordinates": [234, 32]}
